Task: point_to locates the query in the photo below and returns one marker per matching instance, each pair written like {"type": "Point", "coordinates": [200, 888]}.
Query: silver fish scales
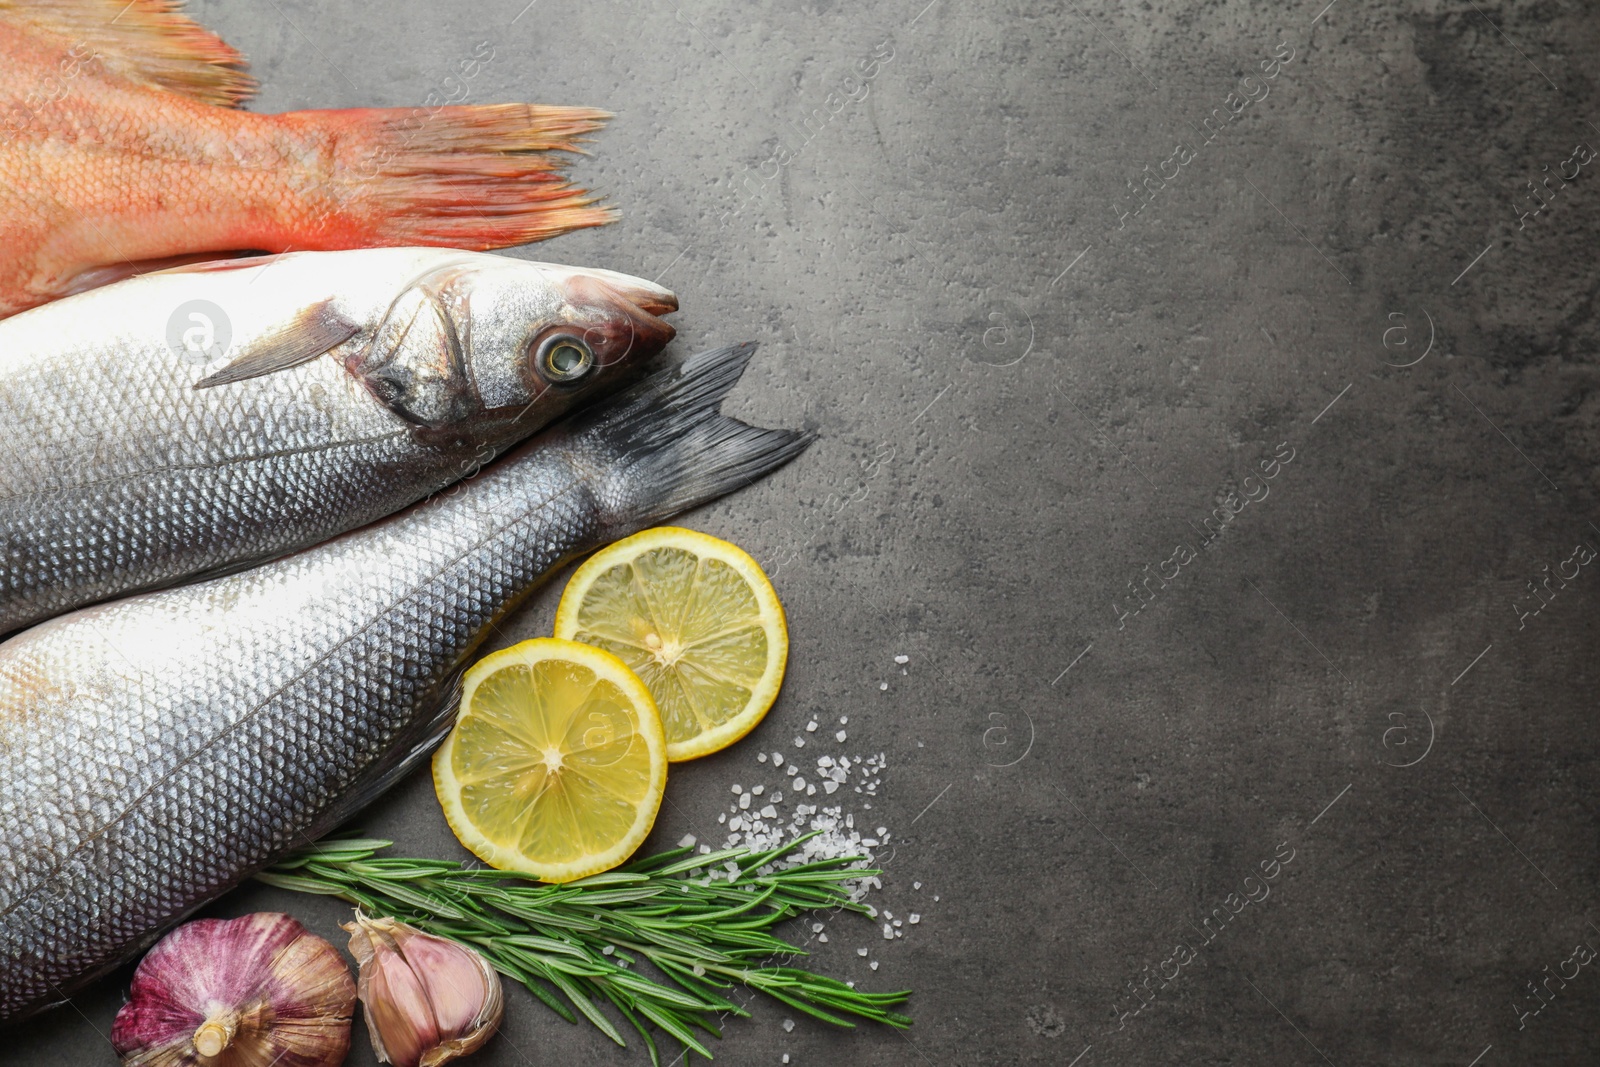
{"type": "Point", "coordinates": [157, 750]}
{"type": "Point", "coordinates": [325, 390]}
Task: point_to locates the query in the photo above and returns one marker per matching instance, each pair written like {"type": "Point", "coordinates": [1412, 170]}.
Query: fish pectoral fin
{"type": "Point", "coordinates": [315, 331]}
{"type": "Point", "coordinates": [145, 40]}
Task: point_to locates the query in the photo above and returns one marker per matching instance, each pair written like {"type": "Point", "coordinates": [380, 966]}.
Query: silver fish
{"type": "Point", "coordinates": [156, 751]}
{"type": "Point", "coordinates": [192, 421]}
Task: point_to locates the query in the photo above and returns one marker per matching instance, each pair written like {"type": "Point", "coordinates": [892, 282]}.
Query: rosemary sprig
{"type": "Point", "coordinates": [702, 921]}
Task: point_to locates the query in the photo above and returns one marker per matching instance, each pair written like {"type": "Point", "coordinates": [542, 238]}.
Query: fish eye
{"type": "Point", "coordinates": [563, 358]}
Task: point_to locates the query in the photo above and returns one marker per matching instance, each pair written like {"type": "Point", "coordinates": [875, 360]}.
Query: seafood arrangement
{"type": "Point", "coordinates": [259, 710]}
{"type": "Point", "coordinates": [246, 581]}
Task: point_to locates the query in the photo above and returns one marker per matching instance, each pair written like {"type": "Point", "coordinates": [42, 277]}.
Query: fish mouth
{"type": "Point", "coordinates": [647, 296]}
{"type": "Point", "coordinates": [636, 326]}
{"type": "Point", "coordinates": [651, 332]}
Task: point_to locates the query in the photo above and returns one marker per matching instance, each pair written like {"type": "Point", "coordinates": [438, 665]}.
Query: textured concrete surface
{"type": "Point", "coordinates": [1321, 791]}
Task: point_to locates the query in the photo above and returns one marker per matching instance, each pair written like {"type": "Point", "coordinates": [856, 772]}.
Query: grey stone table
{"type": "Point", "coordinates": [1206, 399]}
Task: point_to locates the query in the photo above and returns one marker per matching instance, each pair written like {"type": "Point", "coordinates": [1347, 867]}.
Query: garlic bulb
{"type": "Point", "coordinates": [428, 1000]}
{"type": "Point", "coordinates": [244, 992]}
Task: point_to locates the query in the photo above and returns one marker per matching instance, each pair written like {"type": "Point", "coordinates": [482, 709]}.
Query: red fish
{"type": "Point", "coordinates": [122, 149]}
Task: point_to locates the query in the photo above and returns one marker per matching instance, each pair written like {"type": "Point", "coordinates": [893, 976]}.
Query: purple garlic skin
{"type": "Point", "coordinates": [428, 999]}
{"type": "Point", "coordinates": [244, 992]}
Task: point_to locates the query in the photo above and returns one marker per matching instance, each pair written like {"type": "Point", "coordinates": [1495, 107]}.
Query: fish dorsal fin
{"type": "Point", "coordinates": [316, 330]}
{"type": "Point", "coordinates": [148, 41]}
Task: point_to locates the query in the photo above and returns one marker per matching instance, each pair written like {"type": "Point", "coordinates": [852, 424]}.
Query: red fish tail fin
{"type": "Point", "coordinates": [150, 42]}
{"type": "Point", "coordinates": [467, 176]}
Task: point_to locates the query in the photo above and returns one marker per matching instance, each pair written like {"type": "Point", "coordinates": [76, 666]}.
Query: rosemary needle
{"type": "Point", "coordinates": [703, 921]}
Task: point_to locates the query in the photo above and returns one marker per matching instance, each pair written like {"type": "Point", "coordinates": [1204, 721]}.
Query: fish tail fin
{"type": "Point", "coordinates": [149, 41]}
{"type": "Point", "coordinates": [666, 446]}
{"type": "Point", "coordinates": [475, 176]}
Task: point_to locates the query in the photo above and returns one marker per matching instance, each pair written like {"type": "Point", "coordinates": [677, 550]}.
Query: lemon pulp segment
{"type": "Point", "coordinates": [557, 761]}
{"type": "Point", "coordinates": [698, 621]}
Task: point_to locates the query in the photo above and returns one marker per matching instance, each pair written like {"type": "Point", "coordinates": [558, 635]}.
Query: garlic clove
{"type": "Point", "coordinates": [399, 1015]}
{"type": "Point", "coordinates": [428, 999]}
{"type": "Point", "coordinates": [238, 993]}
{"type": "Point", "coordinates": [466, 997]}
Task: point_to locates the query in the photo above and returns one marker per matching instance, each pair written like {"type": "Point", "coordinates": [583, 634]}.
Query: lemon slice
{"type": "Point", "coordinates": [557, 762]}
{"type": "Point", "coordinates": [696, 619]}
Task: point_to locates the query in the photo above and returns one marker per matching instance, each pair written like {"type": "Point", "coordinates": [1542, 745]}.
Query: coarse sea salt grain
{"type": "Point", "coordinates": [883, 685]}
{"type": "Point", "coordinates": [873, 965]}
{"type": "Point", "coordinates": [799, 742]}
{"type": "Point", "coordinates": [902, 659]}
{"type": "Point", "coordinates": [761, 757]}
{"type": "Point", "coordinates": [686, 841]}
{"type": "Point", "coordinates": [788, 1026]}
{"type": "Point", "coordinates": [861, 952]}
{"type": "Point", "coordinates": [777, 759]}
{"type": "Point", "coordinates": [839, 737]}
{"type": "Point", "coordinates": [758, 789]}
{"type": "Point", "coordinates": [834, 829]}
{"type": "Point", "coordinates": [811, 727]}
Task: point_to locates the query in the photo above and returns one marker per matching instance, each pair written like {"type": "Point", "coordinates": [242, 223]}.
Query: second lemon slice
{"type": "Point", "coordinates": [557, 762]}
{"type": "Point", "coordinates": [696, 619]}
